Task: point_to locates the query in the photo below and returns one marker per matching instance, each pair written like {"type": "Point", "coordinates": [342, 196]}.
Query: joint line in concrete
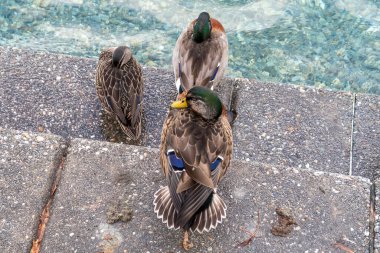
{"type": "Point", "coordinates": [352, 133]}
{"type": "Point", "coordinates": [45, 214]}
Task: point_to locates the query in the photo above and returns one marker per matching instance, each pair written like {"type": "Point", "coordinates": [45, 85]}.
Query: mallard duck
{"type": "Point", "coordinates": [195, 152]}
{"type": "Point", "coordinates": [200, 56]}
{"type": "Point", "coordinates": [119, 85]}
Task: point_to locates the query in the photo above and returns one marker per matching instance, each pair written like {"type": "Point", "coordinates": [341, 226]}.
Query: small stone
{"type": "Point", "coordinates": [40, 138]}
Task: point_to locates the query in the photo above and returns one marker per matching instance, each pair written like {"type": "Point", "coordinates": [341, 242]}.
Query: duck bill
{"type": "Point", "coordinates": [179, 104]}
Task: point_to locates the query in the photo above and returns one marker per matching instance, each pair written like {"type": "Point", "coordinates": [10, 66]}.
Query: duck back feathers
{"type": "Point", "coordinates": [202, 62]}
{"type": "Point", "coordinates": [119, 86]}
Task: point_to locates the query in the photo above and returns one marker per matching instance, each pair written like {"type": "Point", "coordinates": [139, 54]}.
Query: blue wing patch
{"type": "Point", "coordinates": [181, 89]}
{"type": "Point", "coordinates": [175, 162]}
{"type": "Point", "coordinates": [215, 72]}
{"type": "Point", "coordinates": [216, 163]}
{"type": "Point", "coordinates": [179, 80]}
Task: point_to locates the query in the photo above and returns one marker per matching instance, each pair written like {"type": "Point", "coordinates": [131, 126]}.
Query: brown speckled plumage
{"type": "Point", "coordinates": [119, 86]}
{"type": "Point", "coordinates": [200, 63]}
{"type": "Point", "coordinates": [190, 200]}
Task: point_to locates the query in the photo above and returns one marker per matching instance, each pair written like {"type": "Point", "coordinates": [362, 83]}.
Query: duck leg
{"type": "Point", "coordinates": [186, 241]}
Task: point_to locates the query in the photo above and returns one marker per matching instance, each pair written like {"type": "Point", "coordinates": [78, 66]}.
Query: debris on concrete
{"type": "Point", "coordinates": [285, 223]}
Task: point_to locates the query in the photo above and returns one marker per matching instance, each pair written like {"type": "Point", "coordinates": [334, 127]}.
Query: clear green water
{"type": "Point", "coordinates": [322, 43]}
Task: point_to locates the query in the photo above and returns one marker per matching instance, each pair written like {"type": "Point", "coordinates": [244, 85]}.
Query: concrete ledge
{"type": "Point", "coordinates": [282, 125]}
{"type": "Point", "coordinates": [293, 126]}
{"type": "Point", "coordinates": [101, 179]}
{"type": "Point", "coordinates": [366, 149]}
{"type": "Point", "coordinates": [56, 94]}
{"type": "Point", "coordinates": [376, 228]}
{"type": "Point", "coordinates": [28, 163]}
{"type": "Point", "coordinates": [277, 124]}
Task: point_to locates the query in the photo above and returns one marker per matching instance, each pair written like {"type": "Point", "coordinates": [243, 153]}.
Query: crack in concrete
{"type": "Point", "coordinates": [45, 214]}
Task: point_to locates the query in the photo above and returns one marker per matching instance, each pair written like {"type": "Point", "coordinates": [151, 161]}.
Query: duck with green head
{"type": "Point", "coordinates": [195, 152]}
{"type": "Point", "coordinates": [200, 56]}
{"type": "Point", "coordinates": [119, 86]}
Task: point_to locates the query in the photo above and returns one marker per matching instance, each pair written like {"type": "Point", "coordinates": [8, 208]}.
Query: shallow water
{"type": "Point", "coordinates": [322, 43]}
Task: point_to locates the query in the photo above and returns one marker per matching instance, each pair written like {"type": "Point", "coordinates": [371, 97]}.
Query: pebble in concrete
{"type": "Point", "coordinates": [27, 167]}
{"type": "Point", "coordinates": [366, 147]}
{"type": "Point", "coordinates": [293, 126]}
{"type": "Point", "coordinates": [101, 179]}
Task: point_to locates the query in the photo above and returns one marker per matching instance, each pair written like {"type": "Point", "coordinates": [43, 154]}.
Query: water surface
{"type": "Point", "coordinates": [321, 43]}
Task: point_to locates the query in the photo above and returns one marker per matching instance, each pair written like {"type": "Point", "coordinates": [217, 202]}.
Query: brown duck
{"type": "Point", "coordinates": [200, 56]}
{"type": "Point", "coordinates": [195, 152]}
{"type": "Point", "coordinates": [119, 85]}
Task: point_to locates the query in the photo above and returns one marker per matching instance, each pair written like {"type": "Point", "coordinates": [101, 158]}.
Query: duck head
{"type": "Point", "coordinates": [202, 28]}
{"type": "Point", "coordinates": [120, 56]}
{"type": "Point", "coordinates": [202, 101]}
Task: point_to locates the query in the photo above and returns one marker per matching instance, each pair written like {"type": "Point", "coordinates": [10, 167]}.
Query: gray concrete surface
{"type": "Point", "coordinates": [48, 92]}
{"type": "Point", "coordinates": [277, 124]}
{"type": "Point", "coordinates": [376, 220]}
{"type": "Point", "coordinates": [293, 126]}
{"type": "Point", "coordinates": [366, 148]}
{"type": "Point", "coordinates": [54, 93]}
{"type": "Point", "coordinates": [280, 125]}
{"type": "Point", "coordinates": [103, 178]}
{"type": "Point", "coordinates": [27, 165]}
{"type": "Point", "coordinates": [376, 226]}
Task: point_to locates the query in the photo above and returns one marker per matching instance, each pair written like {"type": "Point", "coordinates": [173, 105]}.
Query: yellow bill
{"type": "Point", "coordinates": [179, 104]}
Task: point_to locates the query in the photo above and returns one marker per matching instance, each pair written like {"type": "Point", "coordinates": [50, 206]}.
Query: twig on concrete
{"type": "Point", "coordinates": [44, 218]}
{"type": "Point", "coordinates": [343, 247]}
{"type": "Point", "coordinates": [252, 235]}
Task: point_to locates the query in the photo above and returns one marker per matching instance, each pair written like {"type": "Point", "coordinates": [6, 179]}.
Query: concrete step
{"type": "Point", "coordinates": [277, 124]}
{"type": "Point", "coordinates": [103, 182]}
{"type": "Point", "coordinates": [28, 163]}
{"type": "Point", "coordinates": [293, 126]}
{"type": "Point", "coordinates": [366, 135]}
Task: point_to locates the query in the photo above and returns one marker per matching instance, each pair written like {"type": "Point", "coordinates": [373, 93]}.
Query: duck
{"type": "Point", "coordinates": [195, 152]}
{"type": "Point", "coordinates": [119, 86]}
{"type": "Point", "coordinates": [200, 55]}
